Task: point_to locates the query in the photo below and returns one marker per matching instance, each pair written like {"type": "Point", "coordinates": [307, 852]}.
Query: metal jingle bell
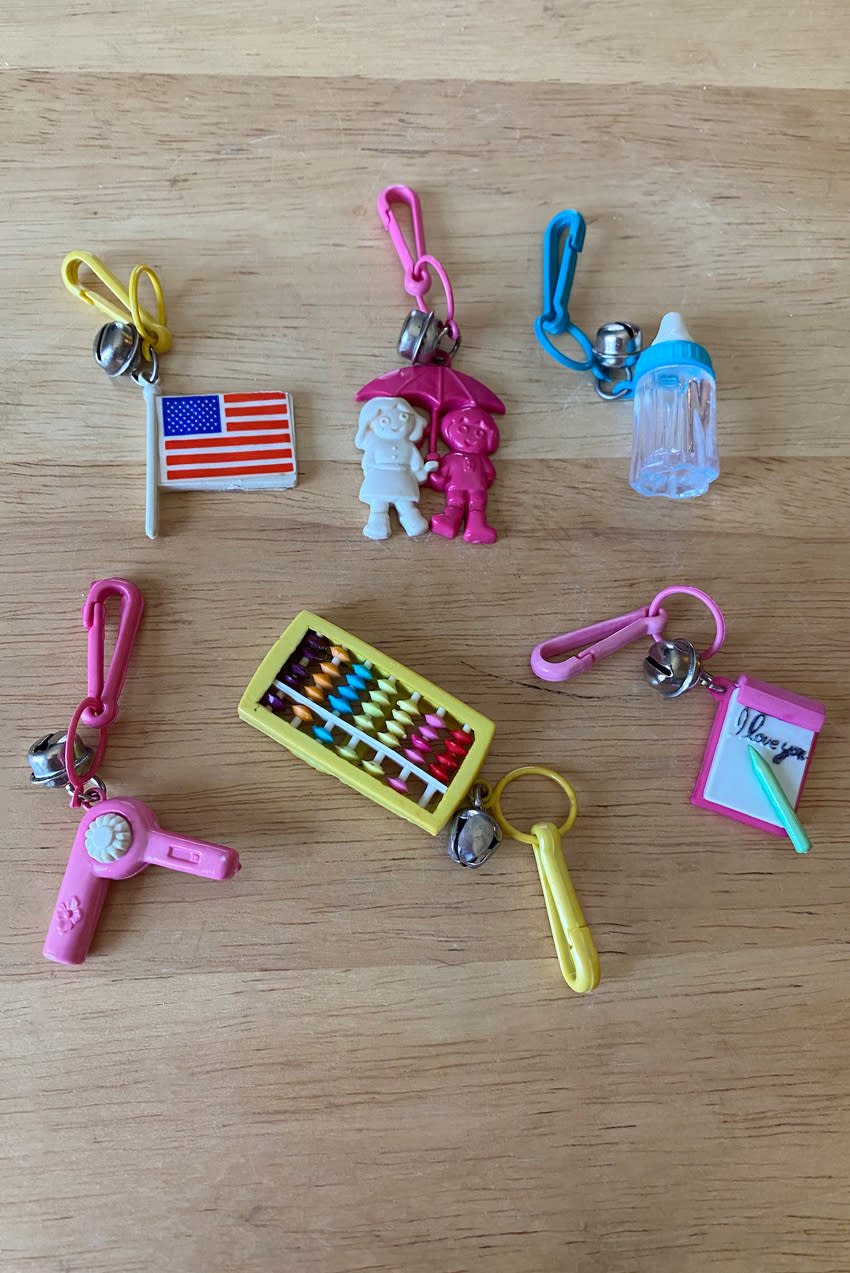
{"type": "Point", "coordinates": [46, 759]}
{"type": "Point", "coordinates": [425, 339]}
{"type": "Point", "coordinates": [118, 350]}
{"type": "Point", "coordinates": [673, 668]}
{"type": "Point", "coordinates": [473, 836]}
{"type": "Point", "coordinates": [617, 345]}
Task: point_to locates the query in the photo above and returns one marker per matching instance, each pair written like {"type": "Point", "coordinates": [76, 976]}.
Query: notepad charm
{"type": "Point", "coordinates": [780, 727]}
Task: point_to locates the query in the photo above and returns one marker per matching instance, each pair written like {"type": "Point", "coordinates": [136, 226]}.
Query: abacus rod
{"type": "Point", "coordinates": [353, 732]}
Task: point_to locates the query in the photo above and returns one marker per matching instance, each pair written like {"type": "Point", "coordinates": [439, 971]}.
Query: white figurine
{"type": "Point", "coordinates": [387, 433]}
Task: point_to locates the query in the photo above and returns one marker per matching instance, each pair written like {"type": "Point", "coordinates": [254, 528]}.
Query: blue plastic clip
{"type": "Point", "coordinates": [563, 239]}
{"type": "Point", "coordinates": [559, 268]}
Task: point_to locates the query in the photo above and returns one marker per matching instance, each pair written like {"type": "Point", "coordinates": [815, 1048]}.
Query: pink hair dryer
{"type": "Point", "coordinates": [117, 839]}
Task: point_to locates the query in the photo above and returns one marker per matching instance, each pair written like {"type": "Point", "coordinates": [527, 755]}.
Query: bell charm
{"type": "Point", "coordinates": [672, 667]}
{"type": "Point", "coordinates": [617, 345]}
{"type": "Point", "coordinates": [474, 834]}
{"type": "Point", "coordinates": [118, 349]}
{"type": "Point", "coordinates": [46, 759]}
{"type": "Point", "coordinates": [425, 339]}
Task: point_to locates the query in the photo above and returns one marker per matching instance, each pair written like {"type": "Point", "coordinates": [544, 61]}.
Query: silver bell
{"type": "Point", "coordinates": [672, 667]}
{"type": "Point", "coordinates": [425, 339]}
{"type": "Point", "coordinates": [617, 345]}
{"type": "Point", "coordinates": [118, 350]}
{"type": "Point", "coordinates": [473, 834]}
{"type": "Point", "coordinates": [46, 759]}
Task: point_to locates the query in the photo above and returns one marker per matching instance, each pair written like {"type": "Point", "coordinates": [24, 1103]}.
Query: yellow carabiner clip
{"type": "Point", "coordinates": [577, 955]}
{"type": "Point", "coordinates": [153, 331]}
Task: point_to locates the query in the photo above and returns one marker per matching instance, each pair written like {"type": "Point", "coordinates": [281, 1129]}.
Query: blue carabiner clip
{"type": "Point", "coordinates": [563, 239]}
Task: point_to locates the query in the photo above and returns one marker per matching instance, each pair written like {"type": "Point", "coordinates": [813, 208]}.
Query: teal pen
{"type": "Point", "coordinates": [781, 804]}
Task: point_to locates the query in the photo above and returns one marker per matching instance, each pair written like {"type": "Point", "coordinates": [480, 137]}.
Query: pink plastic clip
{"type": "Point", "coordinates": [106, 691]}
{"type": "Point", "coordinates": [606, 638]}
{"type": "Point", "coordinates": [417, 280]}
{"type": "Point", "coordinates": [613, 634]}
{"type": "Point", "coordinates": [100, 706]}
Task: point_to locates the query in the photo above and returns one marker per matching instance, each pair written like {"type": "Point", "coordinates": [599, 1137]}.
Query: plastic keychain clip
{"type": "Point", "coordinates": [613, 634]}
{"type": "Point", "coordinates": [617, 345]}
{"type": "Point", "coordinates": [152, 330]}
{"type": "Point", "coordinates": [417, 278]}
{"type": "Point", "coordinates": [577, 955]}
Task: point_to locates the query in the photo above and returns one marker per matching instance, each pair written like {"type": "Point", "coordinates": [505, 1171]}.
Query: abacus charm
{"type": "Point", "coordinates": [348, 710]}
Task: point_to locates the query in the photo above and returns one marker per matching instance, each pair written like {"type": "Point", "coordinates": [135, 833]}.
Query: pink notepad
{"type": "Point", "coordinates": [782, 726]}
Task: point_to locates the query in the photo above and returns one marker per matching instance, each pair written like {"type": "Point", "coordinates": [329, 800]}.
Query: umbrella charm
{"type": "Point", "coordinates": [459, 411]}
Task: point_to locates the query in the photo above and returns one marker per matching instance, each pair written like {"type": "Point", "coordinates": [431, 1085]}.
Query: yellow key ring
{"type": "Point", "coordinates": [494, 802]}
{"type": "Point", "coordinates": [577, 955]}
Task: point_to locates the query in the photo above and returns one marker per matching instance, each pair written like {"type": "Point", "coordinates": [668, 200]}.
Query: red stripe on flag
{"type": "Point", "coordinates": [201, 443]}
{"type": "Point", "coordinates": [257, 426]}
{"type": "Point", "coordinates": [237, 470]}
{"type": "Point", "coordinates": [284, 453]}
{"type": "Point", "coordinates": [274, 409]}
{"type": "Point", "coordinates": [254, 397]}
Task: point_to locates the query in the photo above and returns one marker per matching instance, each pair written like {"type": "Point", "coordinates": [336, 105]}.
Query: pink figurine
{"type": "Point", "coordinates": [466, 473]}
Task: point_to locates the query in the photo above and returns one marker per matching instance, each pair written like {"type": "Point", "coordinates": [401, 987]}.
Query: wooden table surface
{"type": "Point", "coordinates": [356, 1056]}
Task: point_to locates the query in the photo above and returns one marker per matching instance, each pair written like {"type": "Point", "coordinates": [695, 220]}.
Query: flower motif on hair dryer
{"type": "Point", "coordinates": [68, 914]}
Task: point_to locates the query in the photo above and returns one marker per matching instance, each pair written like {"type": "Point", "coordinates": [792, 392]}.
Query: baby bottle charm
{"type": "Point", "coordinates": [426, 403]}
{"type": "Point", "coordinates": [674, 448]}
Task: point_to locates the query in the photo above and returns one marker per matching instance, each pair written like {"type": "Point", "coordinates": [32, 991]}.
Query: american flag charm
{"type": "Point", "coordinates": [226, 442]}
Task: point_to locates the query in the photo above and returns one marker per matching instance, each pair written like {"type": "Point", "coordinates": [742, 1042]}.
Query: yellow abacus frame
{"type": "Point", "coordinates": [301, 743]}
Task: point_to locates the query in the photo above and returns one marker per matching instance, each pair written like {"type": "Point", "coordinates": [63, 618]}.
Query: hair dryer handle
{"type": "Point", "coordinates": [77, 910]}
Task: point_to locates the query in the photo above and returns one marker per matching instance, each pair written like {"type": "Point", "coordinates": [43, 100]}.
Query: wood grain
{"type": "Point", "coordinates": [354, 1056]}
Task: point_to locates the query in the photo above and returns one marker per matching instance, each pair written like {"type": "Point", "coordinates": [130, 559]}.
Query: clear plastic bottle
{"type": "Point", "coordinates": [674, 449]}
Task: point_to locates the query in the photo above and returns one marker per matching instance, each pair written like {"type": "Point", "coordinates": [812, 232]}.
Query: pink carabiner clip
{"type": "Point", "coordinates": [106, 690]}
{"type": "Point", "coordinates": [416, 282]}
{"type": "Point", "coordinates": [607, 637]}
{"type": "Point", "coordinates": [417, 279]}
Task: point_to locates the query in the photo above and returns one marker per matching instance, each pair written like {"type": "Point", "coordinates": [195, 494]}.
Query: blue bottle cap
{"type": "Point", "coordinates": [673, 347]}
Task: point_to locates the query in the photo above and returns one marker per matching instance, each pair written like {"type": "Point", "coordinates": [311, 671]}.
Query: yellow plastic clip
{"type": "Point", "coordinates": [576, 952]}
{"type": "Point", "coordinates": [153, 331]}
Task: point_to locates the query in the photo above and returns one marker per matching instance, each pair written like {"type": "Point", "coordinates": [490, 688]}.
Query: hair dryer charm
{"type": "Point", "coordinates": [117, 838]}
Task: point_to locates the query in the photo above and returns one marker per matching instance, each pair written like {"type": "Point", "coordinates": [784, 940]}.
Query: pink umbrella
{"type": "Point", "coordinates": [435, 386]}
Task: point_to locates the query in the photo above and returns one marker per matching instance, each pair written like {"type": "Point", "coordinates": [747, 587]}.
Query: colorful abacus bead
{"type": "Point", "coordinates": [375, 710]}
{"type": "Point", "coordinates": [374, 718]}
{"type": "Point", "coordinates": [425, 735]}
{"type": "Point", "coordinates": [347, 697]}
{"type": "Point", "coordinates": [446, 763]}
{"type": "Point", "coordinates": [350, 689]}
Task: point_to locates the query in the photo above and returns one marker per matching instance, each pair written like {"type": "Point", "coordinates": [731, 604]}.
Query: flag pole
{"type": "Point", "coordinates": [151, 393]}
